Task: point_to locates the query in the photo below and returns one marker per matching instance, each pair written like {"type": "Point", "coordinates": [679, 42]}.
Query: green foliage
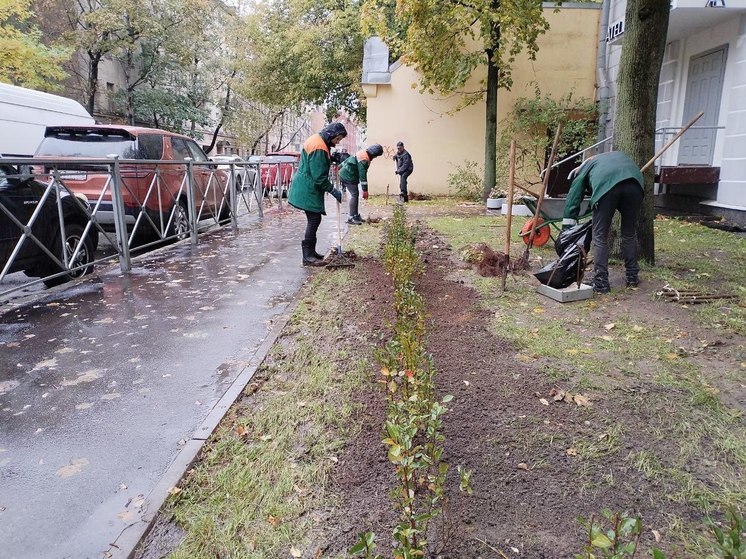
{"type": "Point", "coordinates": [26, 61]}
{"type": "Point", "coordinates": [532, 123]}
{"type": "Point", "coordinates": [414, 419]}
{"type": "Point", "coordinates": [731, 542]}
{"type": "Point", "coordinates": [166, 110]}
{"type": "Point", "coordinates": [617, 538]}
{"type": "Point", "coordinates": [448, 41]}
{"type": "Point", "coordinates": [312, 49]}
{"type": "Point", "coordinates": [365, 546]}
{"type": "Point", "coordinates": [466, 181]}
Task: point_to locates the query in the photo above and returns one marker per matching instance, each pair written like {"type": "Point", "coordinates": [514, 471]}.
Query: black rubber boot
{"type": "Point", "coordinates": [308, 256]}
{"type": "Point", "coordinates": [633, 281]}
{"type": "Point", "coordinates": [313, 250]}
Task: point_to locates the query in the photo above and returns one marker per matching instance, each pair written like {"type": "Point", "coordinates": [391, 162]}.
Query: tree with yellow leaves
{"type": "Point", "coordinates": [24, 59]}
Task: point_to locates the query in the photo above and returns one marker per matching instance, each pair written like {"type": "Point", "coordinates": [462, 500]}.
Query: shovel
{"type": "Point", "coordinates": [338, 259]}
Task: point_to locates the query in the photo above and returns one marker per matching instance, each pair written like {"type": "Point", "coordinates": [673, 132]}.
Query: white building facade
{"type": "Point", "coordinates": [704, 69]}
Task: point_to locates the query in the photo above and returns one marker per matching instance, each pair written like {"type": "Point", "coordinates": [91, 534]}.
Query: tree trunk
{"type": "Point", "coordinates": [646, 25]}
{"type": "Point", "coordinates": [93, 63]}
{"type": "Point", "coordinates": [490, 129]}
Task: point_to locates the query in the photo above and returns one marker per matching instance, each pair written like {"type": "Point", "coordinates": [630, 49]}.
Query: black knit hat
{"type": "Point", "coordinates": [331, 131]}
{"type": "Point", "coordinates": [375, 150]}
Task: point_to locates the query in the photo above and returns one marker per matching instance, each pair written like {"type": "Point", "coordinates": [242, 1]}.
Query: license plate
{"type": "Point", "coordinates": [73, 176]}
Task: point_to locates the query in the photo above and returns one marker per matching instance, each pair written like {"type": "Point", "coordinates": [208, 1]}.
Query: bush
{"type": "Point", "coordinates": [466, 181]}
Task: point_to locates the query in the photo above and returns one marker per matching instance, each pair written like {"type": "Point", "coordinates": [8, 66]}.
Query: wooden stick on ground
{"type": "Point", "coordinates": [387, 194]}
{"type": "Point", "coordinates": [511, 190]}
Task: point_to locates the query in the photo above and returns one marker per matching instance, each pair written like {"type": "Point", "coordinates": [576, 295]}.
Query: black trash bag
{"type": "Point", "coordinates": [565, 271]}
{"type": "Point", "coordinates": [579, 234]}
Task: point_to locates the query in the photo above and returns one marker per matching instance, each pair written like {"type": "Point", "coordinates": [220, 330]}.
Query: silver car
{"type": "Point", "coordinates": [243, 173]}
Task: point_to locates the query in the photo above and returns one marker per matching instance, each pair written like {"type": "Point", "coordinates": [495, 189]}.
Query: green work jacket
{"type": "Point", "coordinates": [355, 169]}
{"type": "Point", "coordinates": [596, 177]}
{"type": "Point", "coordinates": [311, 180]}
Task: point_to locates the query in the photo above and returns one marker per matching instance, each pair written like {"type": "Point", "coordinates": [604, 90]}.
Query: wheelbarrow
{"type": "Point", "coordinates": [544, 223]}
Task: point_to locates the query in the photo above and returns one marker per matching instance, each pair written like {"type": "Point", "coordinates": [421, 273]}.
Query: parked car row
{"type": "Point", "coordinates": [275, 169]}
{"type": "Point", "coordinates": [154, 192]}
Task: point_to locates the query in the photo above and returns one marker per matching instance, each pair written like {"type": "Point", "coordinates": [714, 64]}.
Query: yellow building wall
{"type": "Point", "coordinates": [439, 139]}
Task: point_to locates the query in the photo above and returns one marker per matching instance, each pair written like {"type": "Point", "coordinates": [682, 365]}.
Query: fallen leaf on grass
{"type": "Point", "coordinates": [242, 431]}
{"type": "Point", "coordinates": [175, 490]}
{"type": "Point", "coordinates": [274, 521]}
{"type": "Point", "coordinates": [557, 395]}
{"type": "Point", "coordinates": [572, 452]}
{"type": "Point", "coordinates": [265, 438]}
{"type": "Point", "coordinates": [609, 326]}
{"type": "Point", "coordinates": [522, 466]}
{"type": "Point", "coordinates": [295, 552]}
{"type": "Point", "coordinates": [581, 400]}
{"type": "Point", "coordinates": [656, 535]}
{"type": "Point", "coordinates": [544, 401]}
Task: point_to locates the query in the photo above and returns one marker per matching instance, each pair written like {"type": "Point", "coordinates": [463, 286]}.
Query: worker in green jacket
{"type": "Point", "coordinates": [614, 183]}
{"type": "Point", "coordinates": [311, 181]}
{"type": "Point", "coordinates": [355, 171]}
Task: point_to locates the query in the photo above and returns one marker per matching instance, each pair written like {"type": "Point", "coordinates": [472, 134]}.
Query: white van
{"type": "Point", "coordinates": [25, 114]}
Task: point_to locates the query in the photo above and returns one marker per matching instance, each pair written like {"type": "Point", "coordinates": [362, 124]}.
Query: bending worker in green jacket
{"type": "Point", "coordinates": [311, 181]}
{"type": "Point", "coordinates": [615, 183]}
{"type": "Point", "coordinates": [355, 170]}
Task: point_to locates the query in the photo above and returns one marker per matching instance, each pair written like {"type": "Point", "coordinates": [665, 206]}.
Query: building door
{"type": "Point", "coordinates": [703, 93]}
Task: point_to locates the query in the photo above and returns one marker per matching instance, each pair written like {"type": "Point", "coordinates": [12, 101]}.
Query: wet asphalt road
{"type": "Point", "coordinates": [101, 383]}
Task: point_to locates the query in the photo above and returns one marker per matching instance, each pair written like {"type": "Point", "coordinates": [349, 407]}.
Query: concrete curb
{"type": "Point", "coordinates": [126, 544]}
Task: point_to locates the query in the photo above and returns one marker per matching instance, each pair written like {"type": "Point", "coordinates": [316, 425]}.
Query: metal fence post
{"type": "Point", "coordinates": [259, 192]}
{"type": "Point", "coordinates": [120, 223]}
{"type": "Point", "coordinates": [279, 187]}
{"type": "Point", "coordinates": [191, 202]}
{"type": "Point", "coordinates": [233, 195]}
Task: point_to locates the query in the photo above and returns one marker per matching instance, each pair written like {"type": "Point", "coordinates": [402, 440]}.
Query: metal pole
{"type": "Point", "coordinates": [259, 192]}
{"type": "Point", "coordinates": [191, 202]}
{"type": "Point", "coordinates": [120, 223]}
{"type": "Point", "coordinates": [233, 196]}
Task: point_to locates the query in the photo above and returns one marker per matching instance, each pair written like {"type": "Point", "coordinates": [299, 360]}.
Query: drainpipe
{"type": "Point", "coordinates": [602, 73]}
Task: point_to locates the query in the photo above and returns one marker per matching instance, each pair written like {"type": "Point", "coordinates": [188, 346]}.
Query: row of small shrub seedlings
{"type": "Point", "coordinates": [414, 415]}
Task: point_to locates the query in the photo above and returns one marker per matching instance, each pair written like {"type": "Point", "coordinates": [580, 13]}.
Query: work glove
{"type": "Point", "coordinates": [337, 194]}
{"type": "Point", "coordinates": [365, 194]}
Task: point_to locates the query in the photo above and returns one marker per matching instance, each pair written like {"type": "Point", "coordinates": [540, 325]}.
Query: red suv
{"type": "Point", "coordinates": [156, 190]}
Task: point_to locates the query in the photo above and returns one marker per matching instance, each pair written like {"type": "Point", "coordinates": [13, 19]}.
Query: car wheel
{"type": "Point", "coordinates": [73, 236]}
{"type": "Point", "coordinates": [180, 224]}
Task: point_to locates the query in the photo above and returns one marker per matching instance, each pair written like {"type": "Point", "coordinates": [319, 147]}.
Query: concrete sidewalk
{"type": "Point", "coordinates": [104, 383]}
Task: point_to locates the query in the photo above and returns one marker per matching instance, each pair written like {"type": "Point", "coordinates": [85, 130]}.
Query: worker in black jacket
{"type": "Point", "coordinates": [404, 168]}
